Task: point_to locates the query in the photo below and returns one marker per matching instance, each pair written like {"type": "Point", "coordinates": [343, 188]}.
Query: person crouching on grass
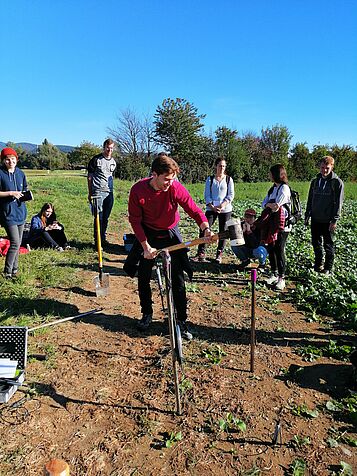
{"type": "Point", "coordinates": [46, 232]}
{"type": "Point", "coordinates": [252, 247]}
{"type": "Point", "coordinates": [154, 217]}
{"type": "Point", "coordinates": [12, 211]}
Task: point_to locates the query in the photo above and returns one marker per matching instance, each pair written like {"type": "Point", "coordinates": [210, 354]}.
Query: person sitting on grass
{"type": "Point", "coordinates": [252, 247]}
{"type": "Point", "coordinates": [46, 232]}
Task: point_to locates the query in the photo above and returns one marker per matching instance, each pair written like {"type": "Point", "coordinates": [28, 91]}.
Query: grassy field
{"type": "Point", "coordinates": [68, 191]}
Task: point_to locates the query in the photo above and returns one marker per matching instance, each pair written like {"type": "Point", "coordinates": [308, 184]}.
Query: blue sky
{"type": "Point", "coordinates": [70, 66]}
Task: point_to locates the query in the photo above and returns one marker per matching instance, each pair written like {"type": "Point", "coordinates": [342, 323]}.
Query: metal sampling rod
{"type": "Point", "coordinates": [253, 277]}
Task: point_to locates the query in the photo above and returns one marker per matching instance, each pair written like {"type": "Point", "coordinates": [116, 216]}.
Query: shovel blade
{"type": "Point", "coordinates": [102, 285]}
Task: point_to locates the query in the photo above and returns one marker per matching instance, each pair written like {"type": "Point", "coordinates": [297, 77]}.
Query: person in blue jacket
{"type": "Point", "coordinates": [12, 210]}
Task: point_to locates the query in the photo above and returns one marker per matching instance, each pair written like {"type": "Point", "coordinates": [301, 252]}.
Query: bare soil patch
{"type": "Point", "coordinates": [104, 400]}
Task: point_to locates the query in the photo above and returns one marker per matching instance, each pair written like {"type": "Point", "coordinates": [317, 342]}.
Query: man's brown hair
{"type": "Point", "coordinates": [108, 142]}
{"type": "Point", "coordinates": [327, 160]}
{"type": "Point", "coordinates": [163, 164]}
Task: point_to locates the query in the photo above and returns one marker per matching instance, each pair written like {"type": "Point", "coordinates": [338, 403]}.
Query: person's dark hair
{"type": "Point", "coordinates": [218, 160]}
{"type": "Point", "coordinates": [278, 173]}
{"type": "Point", "coordinates": [163, 164]}
{"type": "Point", "coordinates": [52, 218]}
{"type": "Point", "coordinates": [108, 142]}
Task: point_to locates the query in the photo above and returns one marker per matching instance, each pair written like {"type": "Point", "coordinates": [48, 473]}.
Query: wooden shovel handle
{"type": "Point", "coordinates": [189, 244]}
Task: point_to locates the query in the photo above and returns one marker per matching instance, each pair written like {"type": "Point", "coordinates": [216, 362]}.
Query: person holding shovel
{"type": "Point", "coordinates": [154, 217]}
{"type": "Point", "coordinates": [100, 184]}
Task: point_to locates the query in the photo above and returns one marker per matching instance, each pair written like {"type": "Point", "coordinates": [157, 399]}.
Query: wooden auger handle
{"type": "Point", "coordinates": [189, 244]}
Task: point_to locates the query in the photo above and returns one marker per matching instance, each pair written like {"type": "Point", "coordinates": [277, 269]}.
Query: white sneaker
{"type": "Point", "coordinates": [280, 285]}
{"type": "Point", "coordinates": [273, 279]}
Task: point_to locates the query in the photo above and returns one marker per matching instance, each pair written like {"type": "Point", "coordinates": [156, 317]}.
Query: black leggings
{"type": "Point", "coordinates": [277, 256]}
{"type": "Point", "coordinates": [211, 218]}
{"type": "Point", "coordinates": [50, 239]}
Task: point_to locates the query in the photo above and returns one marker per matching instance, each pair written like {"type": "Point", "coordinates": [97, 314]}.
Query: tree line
{"type": "Point", "coordinates": [177, 128]}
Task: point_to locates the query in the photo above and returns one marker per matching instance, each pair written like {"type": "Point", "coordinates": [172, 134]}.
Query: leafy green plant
{"type": "Point", "coordinates": [304, 411]}
{"type": "Point", "coordinates": [336, 351]}
{"type": "Point", "coordinates": [345, 470]}
{"type": "Point", "coordinates": [193, 288]}
{"type": "Point", "coordinates": [309, 353]}
{"type": "Point", "coordinates": [300, 441]}
{"type": "Point", "coordinates": [214, 354]}
{"type": "Point", "coordinates": [298, 467]}
{"type": "Point", "coordinates": [335, 437]}
{"type": "Point", "coordinates": [185, 385]}
{"type": "Point", "coordinates": [347, 406]}
{"type": "Point", "coordinates": [230, 423]}
{"type": "Point", "coordinates": [172, 439]}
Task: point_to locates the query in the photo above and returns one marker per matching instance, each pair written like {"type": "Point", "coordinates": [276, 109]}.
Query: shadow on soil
{"type": "Point", "coordinates": [63, 401]}
{"type": "Point", "coordinates": [331, 379]}
{"type": "Point", "coordinates": [10, 307]}
{"type": "Point", "coordinates": [215, 335]}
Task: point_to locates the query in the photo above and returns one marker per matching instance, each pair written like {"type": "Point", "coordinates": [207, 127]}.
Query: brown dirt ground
{"type": "Point", "coordinates": [104, 399]}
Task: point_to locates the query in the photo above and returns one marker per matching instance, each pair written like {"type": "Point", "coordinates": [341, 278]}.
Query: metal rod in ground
{"type": "Point", "coordinates": [253, 277]}
{"type": "Point", "coordinates": [88, 313]}
{"type": "Point", "coordinates": [172, 326]}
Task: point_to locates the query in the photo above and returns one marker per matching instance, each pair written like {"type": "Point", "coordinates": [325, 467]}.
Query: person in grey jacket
{"type": "Point", "coordinates": [324, 206]}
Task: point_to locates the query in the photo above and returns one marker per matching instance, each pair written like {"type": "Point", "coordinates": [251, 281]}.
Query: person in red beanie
{"type": "Point", "coordinates": [12, 211]}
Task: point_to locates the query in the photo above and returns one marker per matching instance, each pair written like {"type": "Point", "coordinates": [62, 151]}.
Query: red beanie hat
{"type": "Point", "coordinates": [8, 151]}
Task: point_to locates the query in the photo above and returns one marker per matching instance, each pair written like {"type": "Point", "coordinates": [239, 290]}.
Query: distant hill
{"type": "Point", "coordinates": [28, 147]}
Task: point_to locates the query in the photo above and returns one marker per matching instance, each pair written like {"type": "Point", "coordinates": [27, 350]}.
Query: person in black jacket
{"type": "Point", "coordinates": [324, 206]}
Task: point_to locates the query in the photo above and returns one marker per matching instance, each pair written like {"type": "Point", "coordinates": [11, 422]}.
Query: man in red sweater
{"type": "Point", "coordinates": [154, 217]}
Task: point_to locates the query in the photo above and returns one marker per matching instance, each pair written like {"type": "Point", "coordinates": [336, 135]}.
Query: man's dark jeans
{"type": "Point", "coordinates": [163, 240]}
{"type": "Point", "coordinates": [322, 240]}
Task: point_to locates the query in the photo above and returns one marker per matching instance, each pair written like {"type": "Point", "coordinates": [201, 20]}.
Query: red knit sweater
{"type": "Point", "coordinates": [158, 209]}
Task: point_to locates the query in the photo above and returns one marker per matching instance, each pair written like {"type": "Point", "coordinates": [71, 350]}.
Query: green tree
{"type": "Point", "coordinates": [49, 157]}
{"type": "Point", "coordinates": [198, 162]}
{"type": "Point", "coordinates": [257, 168]}
{"type": "Point", "coordinates": [80, 156]}
{"type": "Point", "coordinates": [345, 161]}
{"type": "Point", "coordinates": [177, 127]}
{"type": "Point", "coordinates": [275, 144]}
{"type": "Point", "coordinates": [300, 164]}
{"type": "Point", "coordinates": [318, 151]}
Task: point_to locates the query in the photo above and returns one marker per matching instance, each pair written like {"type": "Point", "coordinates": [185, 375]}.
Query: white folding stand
{"type": "Point", "coordinates": [13, 345]}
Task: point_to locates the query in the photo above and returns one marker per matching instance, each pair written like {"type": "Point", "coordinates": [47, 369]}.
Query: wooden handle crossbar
{"type": "Point", "coordinates": [195, 242]}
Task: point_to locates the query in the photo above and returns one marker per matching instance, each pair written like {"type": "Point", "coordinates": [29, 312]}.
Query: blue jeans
{"type": "Point", "coordinates": [244, 253]}
{"type": "Point", "coordinates": [105, 205]}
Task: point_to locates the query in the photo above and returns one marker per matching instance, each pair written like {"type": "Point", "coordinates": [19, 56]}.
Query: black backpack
{"type": "Point", "coordinates": [294, 210]}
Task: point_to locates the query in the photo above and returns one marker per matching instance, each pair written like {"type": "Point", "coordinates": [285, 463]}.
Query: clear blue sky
{"type": "Point", "coordinates": [70, 66]}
